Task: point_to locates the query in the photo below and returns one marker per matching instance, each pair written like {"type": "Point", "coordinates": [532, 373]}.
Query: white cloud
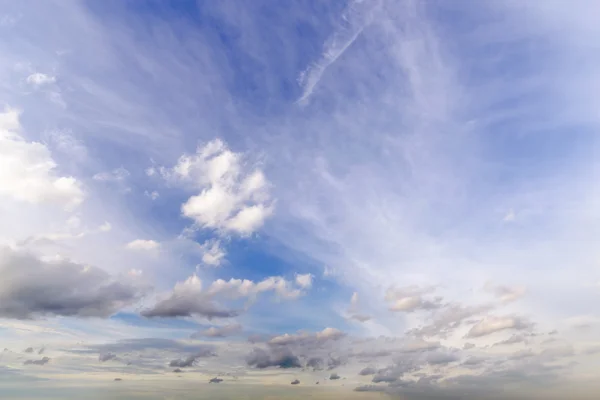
{"type": "Point", "coordinates": [410, 299]}
{"type": "Point", "coordinates": [143, 244]}
{"type": "Point", "coordinates": [230, 199]}
{"type": "Point", "coordinates": [39, 79]}
{"type": "Point", "coordinates": [304, 338]}
{"type": "Point", "coordinates": [491, 325]}
{"type": "Point", "coordinates": [116, 175]}
{"type": "Point", "coordinates": [212, 253]}
{"type": "Point", "coordinates": [27, 170]}
{"type": "Point", "coordinates": [190, 298]}
{"type": "Point", "coordinates": [304, 281]}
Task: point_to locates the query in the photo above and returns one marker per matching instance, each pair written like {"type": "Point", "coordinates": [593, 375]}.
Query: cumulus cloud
{"type": "Point", "coordinates": [353, 310]}
{"type": "Point", "coordinates": [295, 382]}
{"type": "Point", "coordinates": [219, 331]}
{"type": "Point", "coordinates": [304, 281]}
{"type": "Point", "coordinates": [143, 245]}
{"type": "Point", "coordinates": [281, 358]}
{"type": "Point", "coordinates": [215, 380]}
{"type": "Point", "coordinates": [28, 350]}
{"type": "Point", "coordinates": [42, 361]}
{"type": "Point", "coordinates": [213, 254]}
{"type": "Point", "coordinates": [189, 298]}
{"type": "Point", "coordinates": [28, 171]}
{"type": "Point", "coordinates": [190, 360]}
{"type": "Point", "coordinates": [368, 371]}
{"type": "Point", "coordinates": [31, 287]}
{"type": "Point", "coordinates": [334, 377]}
{"type": "Point", "coordinates": [447, 319]}
{"type": "Point", "coordinates": [410, 299]}
{"type": "Point", "coordinates": [305, 338]}
{"type": "Point", "coordinates": [231, 200]}
{"type": "Point", "coordinates": [491, 325]}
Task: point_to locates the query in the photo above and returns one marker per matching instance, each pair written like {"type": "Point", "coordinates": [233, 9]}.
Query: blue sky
{"type": "Point", "coordinates": [402, 193]}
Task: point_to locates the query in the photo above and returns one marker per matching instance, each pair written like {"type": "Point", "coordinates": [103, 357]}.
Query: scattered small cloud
{"type": "Point", "coordinates": [38, 79]}
{"type": "Point", "coordinates": [42, 361]}
{"type": "Point", "coordinates": [491, 325]}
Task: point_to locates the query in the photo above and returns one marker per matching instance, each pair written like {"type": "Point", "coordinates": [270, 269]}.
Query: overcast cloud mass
{"type": "Point", "coordinates": [355, 197]}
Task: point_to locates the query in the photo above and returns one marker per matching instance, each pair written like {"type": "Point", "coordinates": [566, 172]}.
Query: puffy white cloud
{"type": "Point", "coordinates": [491, 325]}
{"type": "Point", "coordinates": [27, 170]}
{"type": "Point", "coordinates": [212, 253]}
{"type": "Point", "coordinates": [304, 280]}
{"type": "Point", "coordinates": [143, 244]}
{"type": "Point", "coordinates": [230, 199]}
{"type": "Point", "coordinates": [190, 298]}
{"type": "Point", "coordinates": [410, 299]}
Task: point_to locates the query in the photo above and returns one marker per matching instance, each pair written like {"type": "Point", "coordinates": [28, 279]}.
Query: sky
{"type": "Point", "coordinates": [336, 199]}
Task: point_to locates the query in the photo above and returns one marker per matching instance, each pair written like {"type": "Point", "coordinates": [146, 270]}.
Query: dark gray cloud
{"type": "Point", "coordinates": [28, 350]}
{"type": "Point", "coordinates": [186, 307]}
{"type": "Point", "coordinates": [438, 358]}
{"type": "Point", "coordinates": [295, 382]}
{"type": "Point", "coordinates": [334, 377]}
{"type": "Point", "coordinates": [316, 363]}
{"type": "Point", "coordinates": [282, 358]}
{"type": "Point", "coordinates": [43, 361]}
{"type": "Point", "coordinates": [106, 357]}
{"type": "Point", "coordinates": [41, 350]}
{"type": "Point", "coordinates": [190, 360]}
{"type": "Point", "coordinates": [219, 331]}
{"type": "Point", "coordinates": [178, 370]}
{"type": "Point", "coordinates": [368, 371]}
{"type": "Point", "coordinates": [370, 388]}
{"type": "Point", "coordinates": [215, 380]}
{"type": "Point", "coordinates": [31, 288]}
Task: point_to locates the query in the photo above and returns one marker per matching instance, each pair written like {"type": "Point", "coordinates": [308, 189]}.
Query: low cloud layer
{"type": "Point", "coordinates": [33, 288]}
